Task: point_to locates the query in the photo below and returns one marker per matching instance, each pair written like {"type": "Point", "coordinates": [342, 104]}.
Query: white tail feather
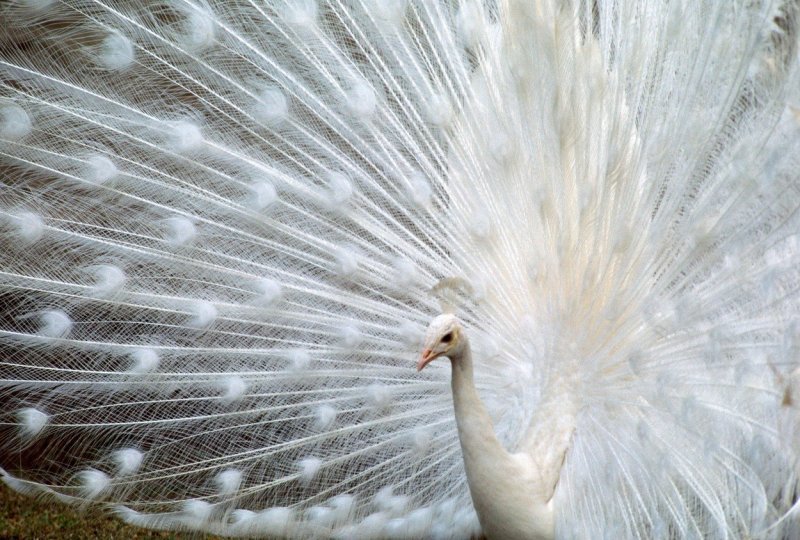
{"type": "Point", "coordinates": [221, 221]}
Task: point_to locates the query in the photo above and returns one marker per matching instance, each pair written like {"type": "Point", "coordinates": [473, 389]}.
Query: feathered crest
{"type": "Point", "coordinates": [453, 293]}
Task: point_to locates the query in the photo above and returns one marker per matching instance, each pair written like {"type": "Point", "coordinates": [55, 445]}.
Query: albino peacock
{"type": "Point", "coordinates": [226, 224]}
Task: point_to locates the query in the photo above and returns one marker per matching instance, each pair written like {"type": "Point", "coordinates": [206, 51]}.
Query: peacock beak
{"type": "Point", "coordinates": [425, 358]}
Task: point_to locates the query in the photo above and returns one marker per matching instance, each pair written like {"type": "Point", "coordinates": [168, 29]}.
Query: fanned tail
{"type": "Point", "coordinates": [220, 223]}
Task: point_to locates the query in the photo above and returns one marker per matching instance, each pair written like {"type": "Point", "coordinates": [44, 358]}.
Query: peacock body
{"type": "Point", "coordinates": [221, 222]}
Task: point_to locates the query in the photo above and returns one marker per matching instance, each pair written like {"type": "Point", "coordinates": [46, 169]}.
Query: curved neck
{"type": "Point", "coordinates": [475, 429]}
{"type": "Point", "coordinates": [507, 490]}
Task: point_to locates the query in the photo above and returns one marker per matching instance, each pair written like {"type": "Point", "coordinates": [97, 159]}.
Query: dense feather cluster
{"type": "Point", "coordinates": [220, 223]}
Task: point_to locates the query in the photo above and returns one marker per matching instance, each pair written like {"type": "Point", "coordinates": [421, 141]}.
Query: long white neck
{"type": "Point", "coordinates": [507, 489]}
{"type": "Point", "coordinates": [475, 429]}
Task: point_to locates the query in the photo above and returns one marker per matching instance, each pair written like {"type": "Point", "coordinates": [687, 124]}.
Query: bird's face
{"type": "Point", "coordinates": [443, 338]}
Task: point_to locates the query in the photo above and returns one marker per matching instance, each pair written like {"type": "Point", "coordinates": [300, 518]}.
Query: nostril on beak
{"type": "Point", "coordinates": [424, 358]}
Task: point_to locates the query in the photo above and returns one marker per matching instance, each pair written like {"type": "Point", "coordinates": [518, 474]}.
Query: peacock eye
{"type": "Point", "coordinates": [447, 338]}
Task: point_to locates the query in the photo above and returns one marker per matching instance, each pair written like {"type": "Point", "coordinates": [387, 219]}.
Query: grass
{"type": "Point", "coordinates": [26, 518]}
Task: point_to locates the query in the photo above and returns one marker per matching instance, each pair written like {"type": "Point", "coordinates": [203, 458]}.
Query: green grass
{"type": "Point", "coordinates": [26, 518]}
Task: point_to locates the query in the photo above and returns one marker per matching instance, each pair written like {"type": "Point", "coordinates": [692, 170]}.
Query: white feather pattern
{"type": "Point", "coordinates": [220, 222]}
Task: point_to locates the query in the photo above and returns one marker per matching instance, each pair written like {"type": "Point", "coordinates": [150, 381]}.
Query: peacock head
{"type": "Point", "coordinates": [444, 337]}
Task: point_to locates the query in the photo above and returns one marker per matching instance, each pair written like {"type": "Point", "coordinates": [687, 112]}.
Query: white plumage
{"type": "Point", "coordinates": [221, 222]}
